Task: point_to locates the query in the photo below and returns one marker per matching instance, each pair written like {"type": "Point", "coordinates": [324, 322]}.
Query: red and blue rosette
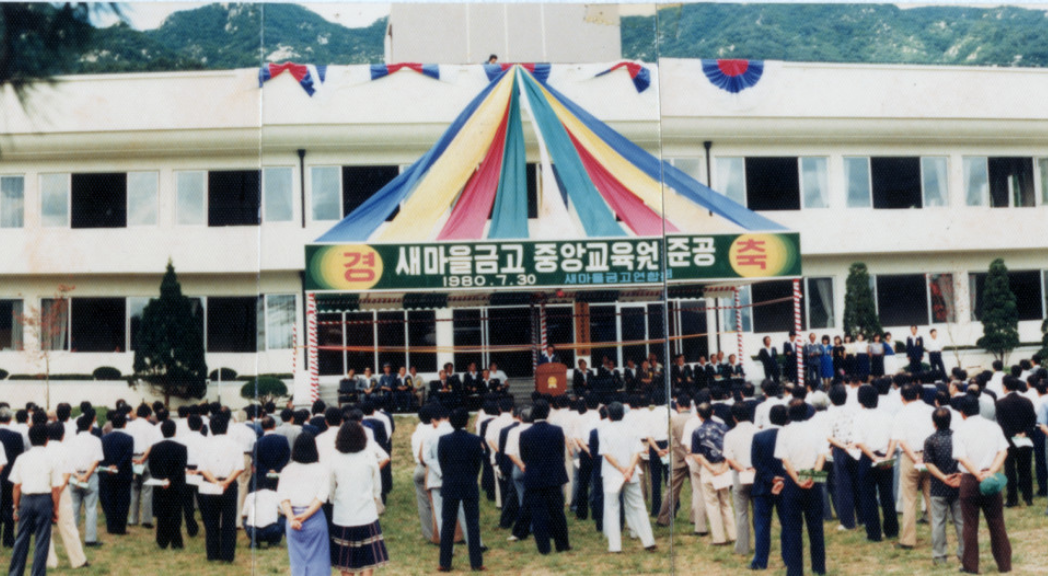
{"type": "Point", "coordinates": [299, 71]}
{"type": "Point", "coordinates": [383, 70]}
{"type": "Point", "coordinates": [639, 74]}
{"type": "Point", "coordinates": [733, 76]}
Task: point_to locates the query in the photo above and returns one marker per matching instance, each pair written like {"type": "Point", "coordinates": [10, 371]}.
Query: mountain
{"type": "Point", "coordinates": [874, 33]}
{"type": "Point", "coordinates": [224, 36]}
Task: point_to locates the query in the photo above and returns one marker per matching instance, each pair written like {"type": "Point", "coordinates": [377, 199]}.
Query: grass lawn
{"type": "Point", "coordinates": [847, 553]}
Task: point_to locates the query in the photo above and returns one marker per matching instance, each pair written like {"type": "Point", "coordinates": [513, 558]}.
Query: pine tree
{"type": "Point", "coordinates": [1000, 314]}
{"type": "Point", "coordinates": [860, 313]}
{"type": "Point", "coordinates": [169, 350]}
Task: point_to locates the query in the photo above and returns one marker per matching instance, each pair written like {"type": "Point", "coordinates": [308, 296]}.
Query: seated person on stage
{"type": "Point", "coordinates": [366, 385]}
{"type": "Point", "coordinates": [472, 387]}
{"type": "Point", "coordinates": [262, 519]}
{"type": "Point", "coordinates": [347, 388]}
{"type": "Point", "coordinates": [732, 369]}
{"type": "Point", "coordinates": [645, 379]}
{"type": "Point", "coordinates": [496, 374]}
{"type": "Point", "coordinates": [629, 376]}
{"type": "Point", "coordinates": [417, 384]}
{"type": "Point", "coordinates": [581, 378]}
{"type": "Point", "coordinates": [386, 383]}
{"type": "Point", "coordinates": [403, 391]}
{"type": "Point", "coordinates": [680, 375]}
{"type": "Point", "coordinates": [495, 385]}
{"type": "Point", "coordinates": [443, 390]}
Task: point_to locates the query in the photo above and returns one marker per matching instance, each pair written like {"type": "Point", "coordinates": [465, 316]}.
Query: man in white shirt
{"type": "Point", "coordinates": [245, 434]}
{"type": "Point", "coordinates": [979, 446]}
{"type": "Point", "coordinates": [64, 412]}
{"type": "Point", "coordinates": [620, 449]}
{"type": "Point", "coordinates": [67, 529]}
{"type": "Point", "coordinates": [522, 526]}
{"type": "Point", "coordinates": [491, 439]}
{"type": "Point", "coordinates": [738, 445]}
{"type": "Point", "coordinates": [933, 346]}
{"type": "Point", "coordinates": [698, 499]}
{"type": "Point", "coordinates": [37, 488]}
{"type": "Point", "coordinates": [220, 463]}
{"type": "Point", "coordinates": [262, 520]}
{"type": "Point", "coordinates": [910, 428]}
{"type": "Point", "coordinates": [996, 382]}
{"type": "Point", "coordinates": [418, 440]}
{"type": "Point", "coordinates": [772, 397]}
{"type": "Point", "coordinates": [85, 451]}
{"type": "Point", "coordinates": [145, 434]}
{"type": "Point", "coordinates": [801, 447]}
{"type": "Point", "coordinates": [871, 434]}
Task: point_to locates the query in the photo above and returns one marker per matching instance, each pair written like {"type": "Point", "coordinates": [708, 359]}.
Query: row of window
{"type": "Point", "coordinates": [248, 197]}
{"type": "Point", "coordinates": [793, 183]}
{"type": "Point", "coordinates": [230, 323]}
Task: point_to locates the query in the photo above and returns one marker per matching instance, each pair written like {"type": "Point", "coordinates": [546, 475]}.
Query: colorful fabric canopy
{"type": "Point", "coordinates": [595, 183]}
{"type": "Point", "coordinates": [381, 70]}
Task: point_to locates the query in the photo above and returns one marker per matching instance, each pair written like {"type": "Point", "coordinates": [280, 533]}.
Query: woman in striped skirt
{"type": "Point", "coordinates": [357, 538]}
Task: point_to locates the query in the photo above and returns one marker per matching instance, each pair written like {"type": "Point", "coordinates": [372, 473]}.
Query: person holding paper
{"type": "Point", "coordinates": [801, 446]}
{"type": "Point", "coordinates": [707, 449]}
{"type": "Point", "coordinates": [621, 448]}
{"type": "Point", "coordinates": [1017, 419]}
{"type": "Point", "coordinates": [145, 434]}
{"type": "Point", "coordinates": [115, 483]}
{"type": "Point", "coordinates": [738, 447]}
{"type": "Point", "coordinates": [85, 452]}
{"type": "Point", "coordinates": [871, 434]}
{"type": "Point", "coordinates": [768, 476]}
{"type": "Point", "coordinates": [911, 427]}
{"type": "Point", "coordinates": [167, 462]}
{"type": "Point", "coordinates": [980, 448]}
{"type": "Point", "coordinates": [946, 503]}
{"type": "Point", "coordinates": [220, 463]}
{"type": "Point", "coordinates": [303, 488]}
{"type": "Point", "coordinates": [845, 461]}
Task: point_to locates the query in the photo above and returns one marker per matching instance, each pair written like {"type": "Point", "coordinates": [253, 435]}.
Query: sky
{"type": "Point", "coordinates": [150, 15]}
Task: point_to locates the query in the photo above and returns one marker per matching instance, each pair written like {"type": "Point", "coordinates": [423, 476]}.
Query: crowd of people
{"type": "Point", "coordinates": [855, 447]}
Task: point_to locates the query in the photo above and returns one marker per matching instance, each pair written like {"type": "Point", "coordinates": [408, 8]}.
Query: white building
{"type": "Point", "coordinates": [926, 174]}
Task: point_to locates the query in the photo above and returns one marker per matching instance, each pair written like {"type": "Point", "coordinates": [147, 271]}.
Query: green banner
{"type": "Point", "coordinates": [591, 263]}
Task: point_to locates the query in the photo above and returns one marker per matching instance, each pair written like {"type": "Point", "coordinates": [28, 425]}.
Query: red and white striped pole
{"type": "Point", "coordinates": [311, 325]}
{"type": "Point", "coordinates": [798, 348]}
{"type": "Point", "coordinates": [542, 326]}
{"type": "Point", "coordinates": [294, 349]}
{"type": "Point", "coordinates": [738, 324]}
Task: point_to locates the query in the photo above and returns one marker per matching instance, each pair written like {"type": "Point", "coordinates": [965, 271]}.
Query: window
{"type": "Point", "coordinates": [731, 179]}
{"type": "Point", "coordinates": [560, 329]}
{"type": "Point", "coordinates": [902, 299]}
{"type": "Point", "coordinates": [99, 201]}
{"type": "Point", "coordinates": [232, 324]}
{"type": "Point", "coordinates": [727, 305]}
{"type": "Point", "coordinates": [815, 182]}
{"type": "Point", "coordinates": [98, 324]}
{"type": "Point", "coordinates": [511, 326]}
{"type": "Point", "coordinates": [191, 198]}
{"type": "Point", "coordinates": [391, 334]}
{"type": "Point", "coordinates": [12, 201]}
{"type": "Point", "coordinates": [934, 182]}
{"type": "Point", "coordinates": [896, 182]}
{"type": "Point", "coordinates": [141, 198]}
{"type": "Point", "coordinates": [818, 303]}
{"type": "Point", "coordinates": [532, 174]}
{"type": "Point", "coordinates": [657, 330]}
{"type": "Point", "coordinates": [857, 180]}
{"type": "Point", "coordinates": [1026, 285]}
{"type": "Point", "coordinates": [280, 321]}
{"type": "Point", "coordinates": [1043, 164]}
{"type": "Point", "coordinates": [772, 184]}
{"type": "Point", "coordinates": [136, 307]}
{"type": "Point", "coordinates": [11, 325]}
{"type": "Point", "coordinates": [633, 326]}
{"type": "Point", "coordinates": [1001, 182]}
{"type": "Point", "coordinates": [467, 333]}
{"type": "Point", "coordinates": [279, 204]}
{"type": "Point", "coordinates": [360, 333]}
{"type": "Point", "coordinates": [54, 200]}
{"type": "Point", "coordinates": [326, 185]}
{"type": "Point", "coordinates": [690, 166]}
{"type": "Point", "coordinates": [602, 329]}
{"type": "Point", "coordinates": [777, 316]}
{"type": "Point", "coordinates": [360, 182]}
{"type": "Point", "coordinates": [54, 330]}
{"type": "Point", "coordinates": [233, 198]}
{"type": "Point", "coordinates": [940, 296]}
{"type": "Point", "coordinates": [692, 324]}
{"type": "Point", "coordinates": [329, 333]}
{"type": "Point", "coordinates": [422, 332]}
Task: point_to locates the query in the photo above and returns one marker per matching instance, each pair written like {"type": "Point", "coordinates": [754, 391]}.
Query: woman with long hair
{"type": "Point", "coordinates": [359, 547]}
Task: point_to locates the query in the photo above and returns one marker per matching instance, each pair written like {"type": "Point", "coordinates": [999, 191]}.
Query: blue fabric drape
{"type": "Point", "coordinates": [685, 185]}
{"type": "Point", "coordinates": [509, 218]}
{"type": "Point", "coordinates": [597, 219]}
{"type": "Point", "coordinates": [359, 225]}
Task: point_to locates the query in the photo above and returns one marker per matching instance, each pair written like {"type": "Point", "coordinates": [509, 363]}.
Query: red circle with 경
{"type": "Point", "coordinates": [733, 67]}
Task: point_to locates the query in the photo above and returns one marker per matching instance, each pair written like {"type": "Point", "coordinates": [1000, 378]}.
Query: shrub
{"type": "Point", "coordinates": [264, 389]}
{"type": "Point", "coordinates": [228, 375]}
{"type": "Point", "coordinates": [3, 373]}
{"type": "Point", "coordinates": [106, 373]}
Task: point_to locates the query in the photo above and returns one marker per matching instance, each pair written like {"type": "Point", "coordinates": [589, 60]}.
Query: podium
{"type": "Point", "coordinates": [551, 378]}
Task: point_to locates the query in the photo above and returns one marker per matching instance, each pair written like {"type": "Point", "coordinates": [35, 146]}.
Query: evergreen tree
{"type": "Point", "coordinates": [1000, 314]}
{"type": "Point", "coordinates": [860, 313]}
{"type": "Point", "coordinates": [169, 350]}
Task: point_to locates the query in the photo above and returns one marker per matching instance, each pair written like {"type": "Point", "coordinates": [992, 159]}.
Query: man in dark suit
{"type": "Point", "coordinates": [14, 445]}
{"type": "Point", "coordinates": [581, 379]}
{"type": "Point", "coordinates": [118, 449]}
{"type": "Point", "coordinates": [548, 355]}
{"type": "Point", "coordinates": [272, 453]}
{"type": "Point", "coordinates": [167, 461]}
{"type": "Point", "coordinates": [769, 358]}
{"type": "Point", "coordinates": [1017, 418]}
{"type": "Point", "coordinates": [789, 352]}
{"type": "Point", "coordinates": [914, 350]}
{"type": "Point", "coordinates": [767, 485]}
{"type": "Point", "coordinates": [460, 456]}
{"type": "Point", "coordinates": [680, 375]}
{"type": "Point", "coordinates": [542, 452]}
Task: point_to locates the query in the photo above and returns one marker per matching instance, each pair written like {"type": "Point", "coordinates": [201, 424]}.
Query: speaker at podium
{"type": "Point", "coordinates": [551, 378]}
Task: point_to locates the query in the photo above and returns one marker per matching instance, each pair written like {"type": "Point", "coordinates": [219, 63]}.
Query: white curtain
{"type": "Point", "coordinates": [976, 181]}
{"type": "Point", "coordinates": [278, 205]}
{"type": "Point", "coordinates": [280, 318]}
{"type": "Point", "coordinates": [943, 306]}
{"type": "Point", "coordinates": [16, 324]}
{"type": "Point", "coordinates": [857, 177]}
{"type": "Point", "coordinates": [1043, 163]}
{"type": "Point", "coordinates": [54, 199]}
{"type": "Point", "coordinates": [821, 288]}
{"type": "Point", "coordinates": [816, 183]}
{"type": "Point", "coordinates": [141, 198]}
{"type": "Point", "coordinates": [326, 192]}
{"type": "Point", "coordinates": [190, 199]}
{"type": "Point", "coordinates": [54, 326]}
{"type": "Point", "coordinates": [728, 311]}
{"type": "Point", "coordinates": [12, 202]}
{"type": "Point", "coordinates": [731, 179]}
{"type": "Point", "coordinates": [936, 191]}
